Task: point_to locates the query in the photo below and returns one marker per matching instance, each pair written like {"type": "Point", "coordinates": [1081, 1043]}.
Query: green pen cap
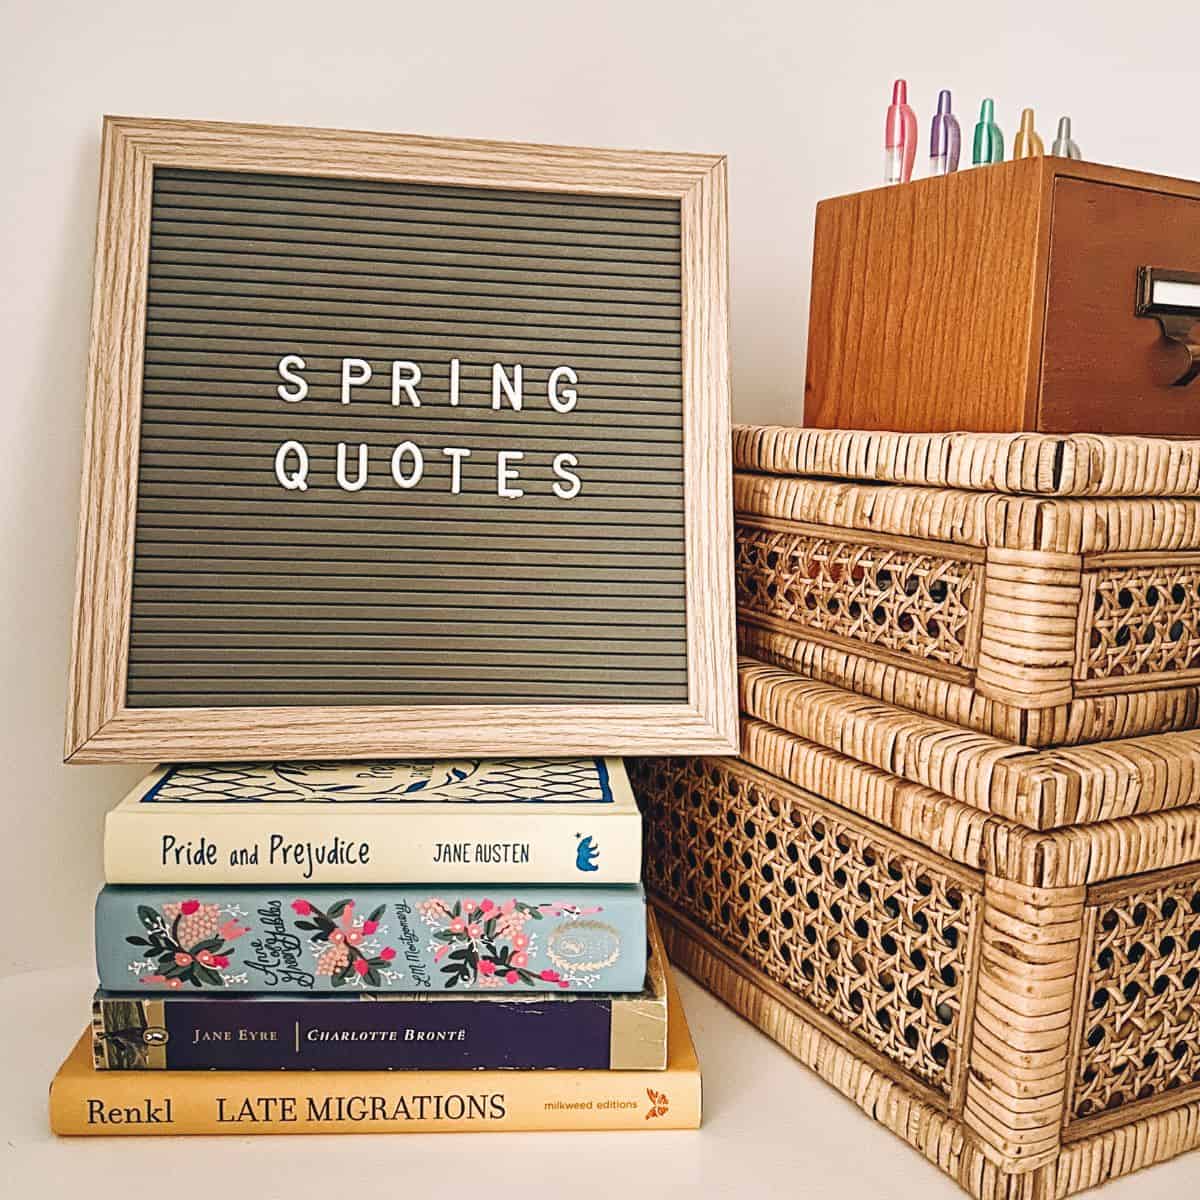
{"type": "Point", "coordinates": [989, 141]}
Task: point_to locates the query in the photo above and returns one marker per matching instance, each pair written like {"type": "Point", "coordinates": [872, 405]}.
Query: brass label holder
{"type": "Point", "coordinates": [1173, 299]}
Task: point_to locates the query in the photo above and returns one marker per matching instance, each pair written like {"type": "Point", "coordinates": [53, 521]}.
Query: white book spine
{"type": "Point", "coordinates": [189, 845]}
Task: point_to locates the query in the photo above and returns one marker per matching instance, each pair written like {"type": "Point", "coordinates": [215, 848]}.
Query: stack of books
{"type": "Point", "coordinates": [451, 945]}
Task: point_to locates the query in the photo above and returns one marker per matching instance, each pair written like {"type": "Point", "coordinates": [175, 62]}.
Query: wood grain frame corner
{"type": "Point", "coordinates": [102, 728]}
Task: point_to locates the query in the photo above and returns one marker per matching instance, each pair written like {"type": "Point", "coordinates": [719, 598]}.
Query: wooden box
{"type": "Point", "coordinates": [1039, 589]}
{"type": "Point", "coordinates": [1002, 299]}
{"type": "Point", "coordinates": [1022, 1006]}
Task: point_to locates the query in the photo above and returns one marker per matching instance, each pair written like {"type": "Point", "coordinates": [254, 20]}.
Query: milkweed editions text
{"type": "Point", "coordinates": [407, 464]}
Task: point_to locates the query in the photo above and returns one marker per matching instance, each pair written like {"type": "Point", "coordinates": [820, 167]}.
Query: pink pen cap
{"type": "Point", "coordinates": [899, 137]}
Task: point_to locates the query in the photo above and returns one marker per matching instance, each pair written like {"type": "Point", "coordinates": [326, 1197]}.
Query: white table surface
{"type": "Point", "coordinates": [771, 1129]}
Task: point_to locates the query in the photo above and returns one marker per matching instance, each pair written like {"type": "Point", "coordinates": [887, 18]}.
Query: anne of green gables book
{"type": "Point", "coordinates": [389, 939]}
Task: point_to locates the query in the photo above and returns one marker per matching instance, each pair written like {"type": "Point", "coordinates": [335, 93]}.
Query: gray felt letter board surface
{"type": "Point", "coordinates": [397, 445]}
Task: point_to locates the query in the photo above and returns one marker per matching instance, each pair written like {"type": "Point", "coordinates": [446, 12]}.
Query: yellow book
{"type": "Point", "coordinates": [84, 1101]}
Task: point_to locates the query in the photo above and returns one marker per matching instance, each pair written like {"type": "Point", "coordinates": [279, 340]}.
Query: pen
{"type": "Point", "coordinates": [1064, 146]}
{"type": "Point", "coordinates": [1027, 144]}
{"type": "Point", "coordinates": [989, 141]}
{"type": "Point", "coordinates": [945, 138]}
{"type": "Point", "coordinates": [900, 136]}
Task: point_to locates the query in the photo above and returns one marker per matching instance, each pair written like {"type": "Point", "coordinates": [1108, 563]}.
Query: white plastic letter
{"type": "Point", "coordinates": [455, 380]}
{"type": "Point", "coordinates": [408, 385]}
{"type": "Point", "coordinates": [297, 480]}
{"type": "Point", "coordinates": [511, 388]}
{"type": "Point", "coordinates": [456, 454]}
{"type": "Point", "coordinates": [289, 364]}
{"type": "Point", "coordinates": [568, 484]}
{"type": "Point", "coordinates": [504, 473]}
{"type": "Point", "coordinates": [354, 372]}
{"type": "Point", "coordinates": [562, 401]}
{"type": "Point", "coordinates": [346, 484]}
{"type": "Point", "coordinates": [407, 481]}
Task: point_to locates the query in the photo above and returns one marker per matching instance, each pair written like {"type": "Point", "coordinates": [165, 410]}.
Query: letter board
{"type": "Point", "coordinates": [424, 441]}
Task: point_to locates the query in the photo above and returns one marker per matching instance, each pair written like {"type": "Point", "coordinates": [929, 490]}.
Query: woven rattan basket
{"type": "Point", "coordinates": [1044, 590]}
{"type": "Point", "coordinates": [1020, 1004]}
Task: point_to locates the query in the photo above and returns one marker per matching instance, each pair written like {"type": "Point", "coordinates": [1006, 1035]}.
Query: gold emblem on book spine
{"type": "Point", "coordinates": [584, 946]}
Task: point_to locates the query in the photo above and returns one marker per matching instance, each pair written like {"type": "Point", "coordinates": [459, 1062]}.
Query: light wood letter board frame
{"type": "Point", "coordinates": [102, 726]}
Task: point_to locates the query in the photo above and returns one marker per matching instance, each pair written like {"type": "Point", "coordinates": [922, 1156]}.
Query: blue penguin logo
{"type": "Point", "coordinates": [586, 854]}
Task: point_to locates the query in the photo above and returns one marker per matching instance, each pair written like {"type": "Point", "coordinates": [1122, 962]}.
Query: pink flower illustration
{"type": "Point", "coordinates": [339, 942]}
{"type": "Point", "coordinates": [333, 961]}
{"type": "Point", "coordinates": [190, 921]}
{"type": "Point", "coordinates": [181, 939]}
{"type": "Point", "coordinates": [302, 908]}
{"type": "Point", "coordinates": [485, 943]}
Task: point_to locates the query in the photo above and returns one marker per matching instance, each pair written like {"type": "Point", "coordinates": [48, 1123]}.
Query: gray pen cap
{"type": "Point", "coordinates": [1063, 146]}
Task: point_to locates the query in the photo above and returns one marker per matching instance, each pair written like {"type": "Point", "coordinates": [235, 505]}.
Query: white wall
{"type": "Point", "coordinates": [793, 93]}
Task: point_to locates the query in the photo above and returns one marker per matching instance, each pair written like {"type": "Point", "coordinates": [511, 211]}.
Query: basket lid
{"type": "Point", "coordinates": [1028, 464]}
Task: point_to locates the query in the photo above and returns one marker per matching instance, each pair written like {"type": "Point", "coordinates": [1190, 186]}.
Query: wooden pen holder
{"type": "Point", "coordinates": [1009, 298]}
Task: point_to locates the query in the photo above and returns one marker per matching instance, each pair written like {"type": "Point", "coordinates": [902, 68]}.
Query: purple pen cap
{"type": "Point", "coordinates": [945, 138]}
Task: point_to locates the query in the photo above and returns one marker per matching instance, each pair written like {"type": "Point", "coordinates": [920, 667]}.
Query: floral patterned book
{"type": "Point", "coordinates": [548, 820]}
{"type": "Point", "coordinates": [193, 1029]}
{"type": "Point", "coordinates": [379, 939]}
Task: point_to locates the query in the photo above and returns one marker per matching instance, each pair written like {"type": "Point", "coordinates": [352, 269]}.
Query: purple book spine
{"type": "Point", "coordinates": [350, 1033]}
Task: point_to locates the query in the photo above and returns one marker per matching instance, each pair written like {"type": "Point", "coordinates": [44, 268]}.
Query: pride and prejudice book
{"type": "Point", "coordinates": [367, 1031]}
{"type": "Point", "coordinates": [497, 821]}
{"type": "Point", "coordinates": [84, 1101]}
{"type": "Point", "coordinates": [477, 938]}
